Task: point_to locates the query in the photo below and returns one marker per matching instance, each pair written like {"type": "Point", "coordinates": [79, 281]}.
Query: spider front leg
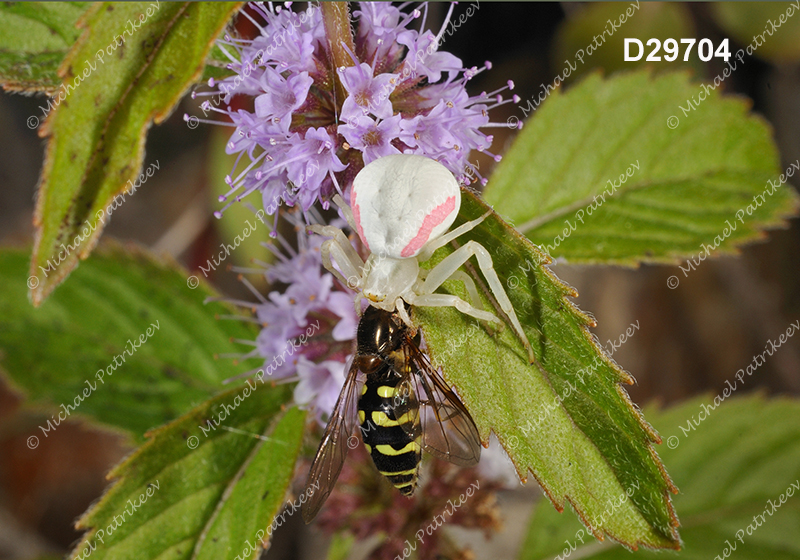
{"type": "Point", "coordinates": [403, 313]}
{"type": "Point", "coordinates": [453, 262]}
{"type": "Point", "coordinates": [348, 213]}
{"type": "Point", "coordinates": [342, 252]}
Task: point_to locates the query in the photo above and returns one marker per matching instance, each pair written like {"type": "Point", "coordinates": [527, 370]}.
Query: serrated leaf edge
{"type": "Point", "coordinates": [585, 321]}
{"type": "Point", "coordinates": [757, 229]}
{"type": "Point", "coordinates": [39, 293]}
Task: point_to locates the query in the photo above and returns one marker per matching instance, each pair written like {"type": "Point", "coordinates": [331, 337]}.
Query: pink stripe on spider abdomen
{"type": "Point", "coordinates": [357, 220]}
{"type": "Point", "coordinates": [436, 217]}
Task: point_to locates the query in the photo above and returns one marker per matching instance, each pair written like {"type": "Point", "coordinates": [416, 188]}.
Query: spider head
{"type": "Point", "coordinates": [388, 279]}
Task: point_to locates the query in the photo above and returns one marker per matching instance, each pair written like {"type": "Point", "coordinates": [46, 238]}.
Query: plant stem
{"type": "Point", "coordinates": [336, 18]}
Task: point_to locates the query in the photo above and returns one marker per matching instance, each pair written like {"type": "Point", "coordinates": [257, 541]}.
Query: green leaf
{"type": "Point", "coordinates": [566, 419]}
{"type": "Point", "coordinates": [212, 490]}
{"type": "Point", "coordinates": [119, 78]}
{"type": "Point", "coordinates": [746, 20]}
{"type": "Point", "coordinates": [113, 298]}
{"type": "Point", "coordinates": [742, 455]}
{"type": "Point", "coordinates": [36, 37]}
{"type": "Point", "coordinates": [561, 182]}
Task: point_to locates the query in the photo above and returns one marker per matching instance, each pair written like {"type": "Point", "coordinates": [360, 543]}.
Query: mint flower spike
{"type": "Point", "coordinates": [300, 142]}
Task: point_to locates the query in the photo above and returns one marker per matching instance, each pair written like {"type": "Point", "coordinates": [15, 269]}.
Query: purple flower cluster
{"type": "Point", "coordinates": [307, 330]}
{"type": "Point", "coordinates": [301, 143]}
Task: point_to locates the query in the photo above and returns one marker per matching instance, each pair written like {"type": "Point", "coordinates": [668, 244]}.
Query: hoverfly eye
{"type": "Point", "coordinates": [369, 364]}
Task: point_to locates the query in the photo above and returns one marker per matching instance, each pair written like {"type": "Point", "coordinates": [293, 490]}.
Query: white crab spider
{"type": "Point", "coordinates": [402, 207]}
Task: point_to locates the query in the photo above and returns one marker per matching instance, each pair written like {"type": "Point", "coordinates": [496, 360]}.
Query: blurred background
{"type": "Point", "coordinates": [690, 339]}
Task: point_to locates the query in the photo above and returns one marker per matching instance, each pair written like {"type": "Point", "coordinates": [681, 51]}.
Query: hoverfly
{"type": "Point", "coordinates": [402, 405]}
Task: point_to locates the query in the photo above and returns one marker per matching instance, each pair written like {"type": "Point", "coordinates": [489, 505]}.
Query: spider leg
{"type": "Point", "coordinates": [469, 284]}
{"type": "Point", "coordinates": [348, 261]}
{"type": "Point", "coordinates": [357, 303]}
{"type": "Point", "coordinates": [453, 262]}
{"type": "Point", "coordinates": [401, 310]}
{"type": "Point", "coordinates": [447, 300]}
{"type": "Point", "coordinates": [348, 213]}
{"type": "Point", "coordinates": [331, 247]}
{"type": "Point", "coordinates": [434, 244]}
{"type": "Point", "coordinates": [342, 240]}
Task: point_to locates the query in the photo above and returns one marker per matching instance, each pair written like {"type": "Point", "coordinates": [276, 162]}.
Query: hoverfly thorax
{"type": "Point", "coordinates": [379, 333]}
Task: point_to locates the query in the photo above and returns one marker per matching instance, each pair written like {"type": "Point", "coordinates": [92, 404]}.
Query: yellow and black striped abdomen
{"type": "Point", "coordinates": [395, 453]}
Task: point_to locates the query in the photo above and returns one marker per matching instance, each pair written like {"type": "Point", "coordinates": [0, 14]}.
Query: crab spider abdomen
{"type": "Point", "coordinates": [400, 202]}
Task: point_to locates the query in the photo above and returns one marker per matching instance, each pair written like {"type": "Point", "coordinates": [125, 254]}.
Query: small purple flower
{"type": "Point", "coordinates": [367, 94]}
{"type": "Point", "coordinates": [373, 138]}
{"type": "Point", "coordinates": [303, 142]}
{"type": "Point", "coordinates": [320, 384]}
{"type": "Point", "coordinates": [285, 97]}
{"type": "Point", "coordinates": [310, 161]}
{"type": "Point", "coordinates": [378, 27]}
{"type": "Point", "coordinates": [427, 61]}
{"type": "Point", "coordinates": [430, 133]}
{"type": "Point", "coordinates": [288, 39]}
{"type": "Point", "coordinates": [341, 304]}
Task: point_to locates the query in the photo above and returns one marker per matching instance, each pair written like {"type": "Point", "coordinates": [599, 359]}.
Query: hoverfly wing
{"type": "Point", "coordinates": [448, 431]}
{"type": "Point", "coordinates": [333, 448]}
{"type": "Point", "coordinates": [406, 406]}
